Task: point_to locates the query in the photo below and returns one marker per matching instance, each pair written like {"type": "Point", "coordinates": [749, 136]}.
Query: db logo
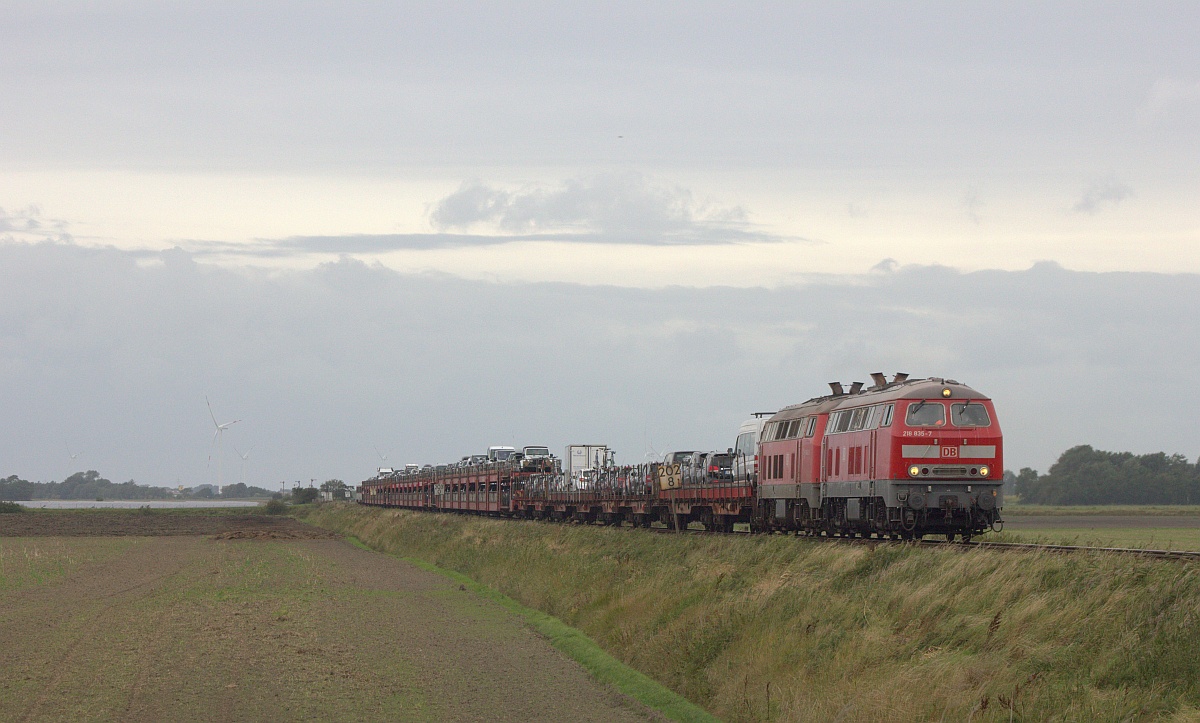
{"type": "Point", "coordinates": [949, 451]}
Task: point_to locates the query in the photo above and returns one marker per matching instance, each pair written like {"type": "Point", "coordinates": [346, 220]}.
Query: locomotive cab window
{"type": "Point", "coordinates": [970, 415]}
{"type": "Point", "coordinates": [887, 416]}
{"type": "Point", "coordinates": [926, 414]}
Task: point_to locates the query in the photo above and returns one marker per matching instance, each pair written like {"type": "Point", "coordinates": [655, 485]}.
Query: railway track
{"type": "Point", "coordinates": [1014, 546]}
{"type": "Point", "coordinates": [1172, 554]}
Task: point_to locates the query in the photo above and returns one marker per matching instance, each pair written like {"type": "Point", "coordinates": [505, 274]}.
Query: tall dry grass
{"type": "Point", "coordinates": [775, 628]}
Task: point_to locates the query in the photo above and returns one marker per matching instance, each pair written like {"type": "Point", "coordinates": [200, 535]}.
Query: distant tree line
{"type": "Point", "coordinates": [1086, 476]}
{"type": "Point", "coordinates": [90, 485]}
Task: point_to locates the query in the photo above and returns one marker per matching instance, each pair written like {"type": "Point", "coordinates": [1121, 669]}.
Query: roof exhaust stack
{"type": "Point", "coordinates": [856, 387]}
{"type": "Point", "coordinates": [837, 388]}
{"type": "Point", "coordinates": [880, 380]}
{"type": "Point", "coordinates": [900, 376]}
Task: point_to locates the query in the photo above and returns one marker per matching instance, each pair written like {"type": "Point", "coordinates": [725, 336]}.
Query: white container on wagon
{"type": "Point", "coordinates": [582, 460]}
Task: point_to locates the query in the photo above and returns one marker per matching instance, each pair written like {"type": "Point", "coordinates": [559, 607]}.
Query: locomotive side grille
{"type": "Point", "coordinates": [948, 472]}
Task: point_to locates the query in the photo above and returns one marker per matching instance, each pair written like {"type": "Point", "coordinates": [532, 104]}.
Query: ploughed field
{"type": "Point", "coordinates": [136, 616]}
{"type": "Point", "coordinates": [121, 523]}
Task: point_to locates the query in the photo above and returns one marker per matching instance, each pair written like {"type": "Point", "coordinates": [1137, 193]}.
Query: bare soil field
{"type": "Point", "coordinates": [192, 617]}
{"type": "Point", "coordinates": [120, 523]}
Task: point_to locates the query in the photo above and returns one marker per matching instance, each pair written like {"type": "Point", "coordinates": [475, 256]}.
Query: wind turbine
{"type": "Point", "coordinates": [244, 457]}
{"type": "Point", "coordinates": [217, 435]}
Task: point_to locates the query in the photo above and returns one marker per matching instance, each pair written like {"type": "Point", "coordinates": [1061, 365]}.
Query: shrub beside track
{"type": "Point", "coordinates": [885, 632]}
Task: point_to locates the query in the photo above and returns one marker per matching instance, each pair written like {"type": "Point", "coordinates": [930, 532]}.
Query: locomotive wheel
{"type": "Point", "coordinates": [949, 537]}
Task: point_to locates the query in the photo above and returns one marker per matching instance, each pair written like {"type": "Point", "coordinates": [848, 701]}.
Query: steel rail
{"type": "Point", "coordinates": [1015, 546]}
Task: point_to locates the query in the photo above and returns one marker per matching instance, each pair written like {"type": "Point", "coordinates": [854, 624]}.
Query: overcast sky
{"type": "Point", "coordinates": [430, 227]}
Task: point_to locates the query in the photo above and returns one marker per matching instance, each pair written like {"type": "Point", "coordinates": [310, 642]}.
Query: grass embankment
{"type": "Point", "coordinates": [840, 632]}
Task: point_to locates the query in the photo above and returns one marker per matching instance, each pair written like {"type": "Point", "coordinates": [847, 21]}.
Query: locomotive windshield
{"type": "Point", "coordinates": [970, 415]}
{"type": "Point", "coordinates": [926, 414]}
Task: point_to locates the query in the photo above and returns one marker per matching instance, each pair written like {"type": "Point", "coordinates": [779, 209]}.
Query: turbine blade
{"type": "Point", "coordinates": [210, 411]}
{"type": "Point", "coordinates": [211, 448]}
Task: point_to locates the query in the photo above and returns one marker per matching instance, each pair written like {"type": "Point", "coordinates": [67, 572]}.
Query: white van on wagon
{"type": "Point", "coordinates": [499, 453]}
{"type": "Point", "coordinates": [745, 448]}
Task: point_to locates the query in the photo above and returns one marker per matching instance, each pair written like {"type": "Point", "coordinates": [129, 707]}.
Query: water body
{"type": "Point", "coordinates": [134, 504]}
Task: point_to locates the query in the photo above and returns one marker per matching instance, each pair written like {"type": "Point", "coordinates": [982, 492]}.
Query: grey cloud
{"type": "Point", "coordinates": [606, 202]}
{"type": "Point", "coordinates": [1105, 194]}
{"type": "Point", "coordinates": [28, 224]}
{"type": "Point", "coordinates": [116, 354]}
{"type": "Point", "coordinates": [382, 243]}
{"type": "Point", "coordinates": [610, 208]}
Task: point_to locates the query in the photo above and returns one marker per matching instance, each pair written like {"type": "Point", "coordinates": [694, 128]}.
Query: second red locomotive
{"type": "Point", "coordinates": [907, 457]}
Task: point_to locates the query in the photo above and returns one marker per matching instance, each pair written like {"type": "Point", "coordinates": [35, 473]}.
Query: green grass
{"type": "Point", "coordinates": [1017, 509]}
{"type": "Point", "coordinates": [836, 632]}
{"type": "Point", "coordinates": [1146, 538]}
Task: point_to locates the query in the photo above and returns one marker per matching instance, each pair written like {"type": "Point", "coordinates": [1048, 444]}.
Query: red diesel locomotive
{"type": "Point", "coordinates": [898, 459]}
{"type": "Point", "coordinates": [901, 458]}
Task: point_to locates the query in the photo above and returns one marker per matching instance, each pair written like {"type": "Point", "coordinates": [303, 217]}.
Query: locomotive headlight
{"type": "Point", "coordinates": [983, 471]}
{"type": "Point", "coordinates": [914, 470]}
{"type": "Point", "coordinates": [945, 392]}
